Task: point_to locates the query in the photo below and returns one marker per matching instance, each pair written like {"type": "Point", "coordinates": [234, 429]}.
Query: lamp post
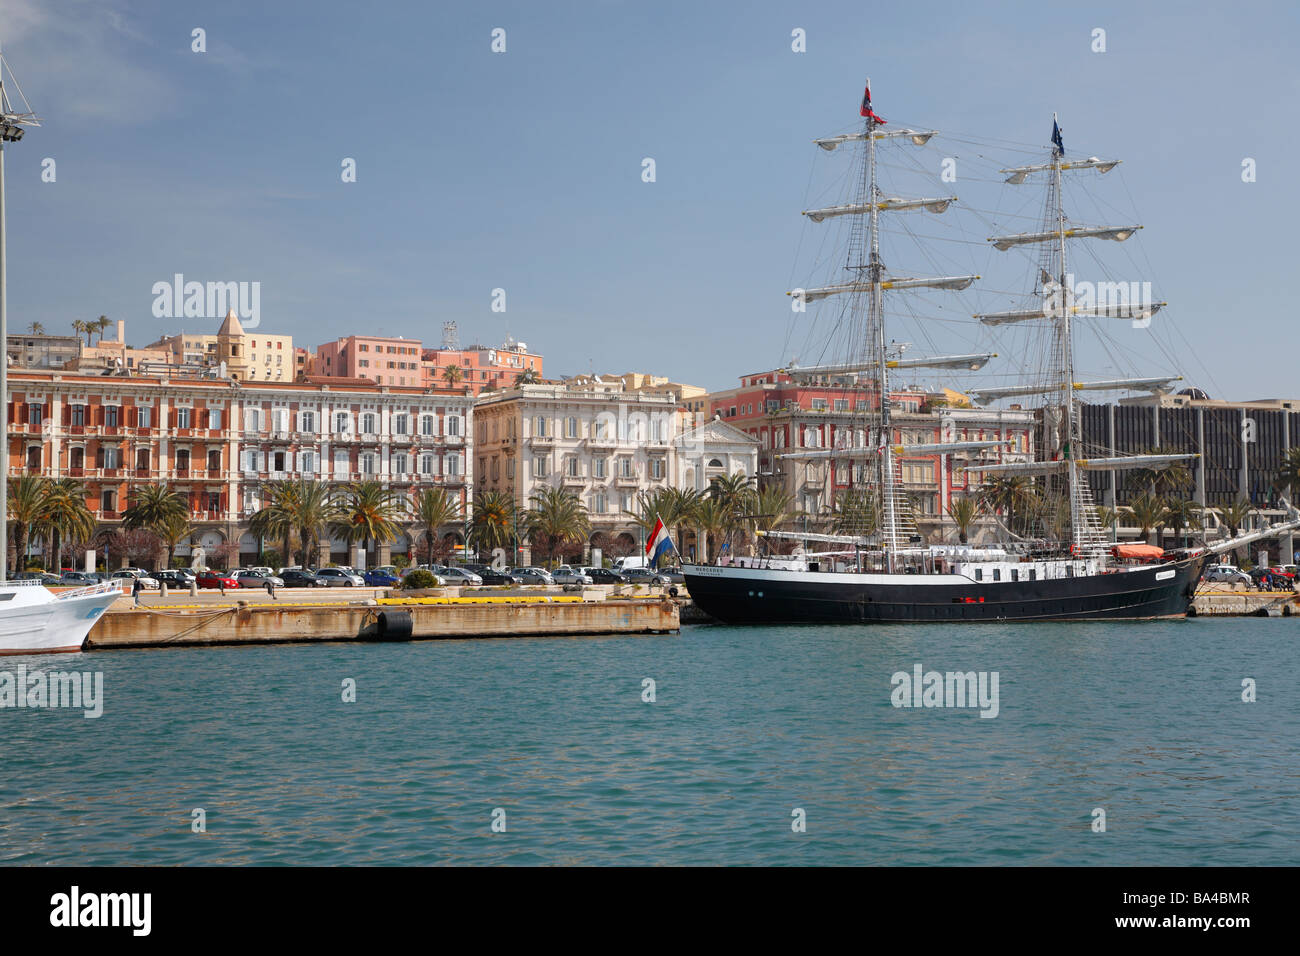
{"type": "Point", "coordinates": [12, 122]}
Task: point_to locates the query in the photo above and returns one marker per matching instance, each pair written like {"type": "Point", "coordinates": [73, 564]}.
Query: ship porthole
{"type": "Point", "coordinates": [760, 593]}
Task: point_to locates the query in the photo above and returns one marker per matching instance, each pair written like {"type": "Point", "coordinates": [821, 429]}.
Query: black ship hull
{"type": "Point", "coordinates": [739, 595]}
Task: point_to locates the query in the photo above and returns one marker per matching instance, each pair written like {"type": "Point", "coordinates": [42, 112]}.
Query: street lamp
{"type": "Point", "coordinates": [12, 121]}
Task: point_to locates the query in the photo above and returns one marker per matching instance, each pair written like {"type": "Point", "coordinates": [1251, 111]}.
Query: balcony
{"type": "Point", "coordinates": [183, 472]}
{"type": "Point", "coordinates": [77, 472]}
{"type": "Point", "coordinates": [538, 440]}
{"type": "Point", "coordinates": [606, 443]}
{"type": "Point", "coordinates": [401, 439]}
{"type": "Point", "coordinates": [460, 439]}
{"type": "Point", "coordinates": [627, 481]}
{"type": "Point", "coordinates": [573, 481]}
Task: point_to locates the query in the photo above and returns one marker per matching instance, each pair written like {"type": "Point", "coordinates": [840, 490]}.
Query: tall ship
{"type": "Point", "coordinates": [872, 565]}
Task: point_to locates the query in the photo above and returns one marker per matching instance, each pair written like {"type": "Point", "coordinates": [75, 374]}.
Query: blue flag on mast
{"type": "Point", "coordinates": [1056, 138]}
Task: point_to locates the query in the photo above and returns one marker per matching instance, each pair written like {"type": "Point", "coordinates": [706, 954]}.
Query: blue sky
{"type": "Point", "coordinates": [523, 170]}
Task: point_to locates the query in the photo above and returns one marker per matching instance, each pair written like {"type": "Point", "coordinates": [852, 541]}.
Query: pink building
{"type": "Point", "coordinates": [482, 368]}
{"type": "Point", "coordinates": [382, 360]}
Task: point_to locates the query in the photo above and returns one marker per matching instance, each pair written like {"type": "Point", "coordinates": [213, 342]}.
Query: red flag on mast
{"type": "Point", "coordinates": [866, 105]}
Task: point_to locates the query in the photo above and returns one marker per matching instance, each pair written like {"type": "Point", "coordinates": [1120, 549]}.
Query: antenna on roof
{"type": "Point", "coordinates": [450, 336]}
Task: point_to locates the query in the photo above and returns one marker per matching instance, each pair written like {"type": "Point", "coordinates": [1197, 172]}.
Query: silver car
{"type": "Point", "coordinates": [568, 575]}
{"type": "Point", "coordinates": [457, 577]}
{"type": "Point", "coordinates": [533, 575]}
{"type": "Point", "coordinates": [340, 578]}
{"type": "Point", "coordinates": [130, 575]}
{"type": "Point", "coordinates": [1227, 574]}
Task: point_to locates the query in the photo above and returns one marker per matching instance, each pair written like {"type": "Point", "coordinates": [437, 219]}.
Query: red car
{"type": "Point", "coordinates": [216, 579]}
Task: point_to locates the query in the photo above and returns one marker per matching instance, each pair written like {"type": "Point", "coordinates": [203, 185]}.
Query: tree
{"type": "Point", "coordinates": [172, 531]}
{"type": "Point", "coordinates": [1181, 513]}
{"type": "Point", "coordinates": [964, 511]}
{"type": "Point", "coordinates": [492, 518]}
{"type": "Point", "coordinates": [151, 506]}
{"type": "Point", "coordinates": [527, 377]}
{"type": "Point", "coordinates": [452, 375]}
{"type": "Point", "coordinates": [1235, 517]}
{"type": "Point", "coordinates": [314, 509]}
{"type": "Point", "coordinates": [1107, 518]}
{"type": "Point", "coordinates": [66, 516]}
{"type": "Point", "coordinates": [1288, 473]}
{"type": "Point", "coordinates": [1162, 481]}
{"type": "Point", "coordinates": [736, 493]}
{"type": "Point", "coordinates": [435, 508]}
{"type": "Point", "coordinates": [855, 512]}
{"type": "Point", "coordinates": [278, 515]}
{"type": "Point", "coordinates": [100, 325]}
{"type": "Point", "coordinates": [365, 511]}
{"type": "Point", "coordinates": [27, 510]}
{"type": "Point", "coordinates": [557, 516]}
{"type": "Point", "coordinates": [1009, 495]}
{"type": "Point", "coordinates": [714, 520]}
{"type": "Point", "coordinates": [36, 328]}
{"type": "Point", "coordinates": [80, 328]}
{"type": "Point", "coordinates": [1148, 512]}
{"type": "Point", "coordinates": [773, 506]}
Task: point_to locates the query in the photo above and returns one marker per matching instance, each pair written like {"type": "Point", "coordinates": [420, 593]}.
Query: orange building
{"type": "Point", "coordinates": [218, 441]}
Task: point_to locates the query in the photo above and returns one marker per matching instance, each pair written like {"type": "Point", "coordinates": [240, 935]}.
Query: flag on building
{"type": "Point", "coordinates": [1059, 149]}
{"type": "Point", "coordinates": [866, 105]}
{"type": "Point", "coordinates": [658, 543]}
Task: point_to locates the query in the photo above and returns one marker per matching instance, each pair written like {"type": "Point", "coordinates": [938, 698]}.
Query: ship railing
{"type": "Point", "coordinates": [103, 587]}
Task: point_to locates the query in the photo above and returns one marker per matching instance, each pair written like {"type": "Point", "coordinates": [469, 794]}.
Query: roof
{"type": "Point", "coordinates": [230, 325]}
{"type": "Point", "coordinates": [719, 432]}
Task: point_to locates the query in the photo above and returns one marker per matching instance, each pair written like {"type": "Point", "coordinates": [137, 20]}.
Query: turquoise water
{"type": "Point", "coordinates": [1145, 721]}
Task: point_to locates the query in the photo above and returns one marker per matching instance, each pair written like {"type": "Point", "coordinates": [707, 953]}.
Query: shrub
{"type": "Point", "coordinates": [419, 578]}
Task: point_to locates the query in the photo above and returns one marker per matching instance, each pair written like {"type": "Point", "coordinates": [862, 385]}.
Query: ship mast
{"type": "Point", "coordinates": [1067, 356]}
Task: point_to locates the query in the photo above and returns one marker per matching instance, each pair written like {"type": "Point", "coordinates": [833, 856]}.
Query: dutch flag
{"type": "Point", "coordinates": [658, 543]}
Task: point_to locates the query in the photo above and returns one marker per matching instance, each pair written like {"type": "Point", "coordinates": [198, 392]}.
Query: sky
{"type": "Point", "coordinates": [523, 170]}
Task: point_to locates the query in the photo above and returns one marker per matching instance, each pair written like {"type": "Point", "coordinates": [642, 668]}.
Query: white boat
{"type": "Point", "coordinates": [34, 620]}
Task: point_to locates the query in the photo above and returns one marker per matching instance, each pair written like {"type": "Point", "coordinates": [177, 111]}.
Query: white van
{"type": "Point", "coordinates": [629, 562]}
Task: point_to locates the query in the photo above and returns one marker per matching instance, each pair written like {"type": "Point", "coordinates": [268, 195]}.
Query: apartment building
{"type": "Point", "coordinates": [252, 355]}
{"type": "Point", "coordinates": [218, 441]}
{"type": "Point", "coordinates": [788, 415]}
{"type": "Point", "coordinates": [481, 368]}
{"type": "Point", "coordinates": [381, 359]}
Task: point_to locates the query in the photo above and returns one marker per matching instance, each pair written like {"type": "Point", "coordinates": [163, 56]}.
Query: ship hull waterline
{"type": "Point", "coordinates": [737, 595]}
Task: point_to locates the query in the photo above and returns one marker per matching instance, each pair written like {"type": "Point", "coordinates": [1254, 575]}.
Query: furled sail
{"type": "Point", "coordinates": [1117, 233]}
{"type": "Point", "coordinates": [956, 283]}
{"type": "Point", "coordinates": [884, 205]}
{"type": "Point", "coordinates": [1018, 174]}
{"type": "Point", "coordinates": [918, 137]}
{"type": "Point", "coordinates": [1159, 384]}
{"type": "Point", "coordinates": [1120, 310]}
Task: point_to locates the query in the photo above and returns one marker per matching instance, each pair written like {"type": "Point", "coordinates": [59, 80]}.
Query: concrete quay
{"type": "Point", "coordinates": [436, 614]}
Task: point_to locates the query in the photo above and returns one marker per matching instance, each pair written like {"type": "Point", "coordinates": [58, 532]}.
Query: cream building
{"type": "Point", "coordinates": [251, 356]}
{"type": "Point", "coordinates": [596, 439]}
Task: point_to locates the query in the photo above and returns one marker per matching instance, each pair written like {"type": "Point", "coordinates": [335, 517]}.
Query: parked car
{"type": "Point", "coordinates": [211, 578]}
{"type": "Point", "coordinates": [43, 576]}
{"type": "Point", "coordinates": [130, 575]}
{"type": "Point", "coordinates": [532, 576]}
{"type": "Point", "coordinates": [1284, 570]}
{"type": "Point", "coordinates": [1227, 574]}
{"type": "Point", "coordinates": [457, 577]}
{"type": "Point", "coordinates": [567, 575]}
{"type": "Point", "coordinates": [381, 578]}
{"type": "Point", "coordinates": [78, 579]}
{"type": "Point", "coordinates": [298, 578]}
{"type": "Point", "coordinates": [645, 576]}
{"type": "Point", "coordinates": [175, 577]}
{"type": "Point", "coordinates": [604, 576]}
{"type": "Point", "coordinates": [257, 578]}
{"type": "Point", "coordinates": [341, 578]}
{"type": "Point", "coordinates": [493, 577]}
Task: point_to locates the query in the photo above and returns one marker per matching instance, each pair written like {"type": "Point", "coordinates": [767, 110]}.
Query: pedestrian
{"type": "Point", "coordinates": [136, 588]}
{"type": "Point", "coordinates": [270, 589]}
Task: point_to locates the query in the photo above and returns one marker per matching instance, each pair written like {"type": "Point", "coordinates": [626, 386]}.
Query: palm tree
{"type": "Point", "coordinates": [528, 376]}
{"type": "Point", "coordinates": [81, 328]}
{"type": "Point", "coordinates": [435, 508]}
{"type": "Point", "coordinates": [365, 511]}
{"type": "Point", "coordinates": [492, 518]}
{"type": "Point", "coordinates": [1235, 517]}
{"type": "Point", "coordinates": [278, 515]}
{"type": "Point", "coordinates": [773, 506]}
{"type": "Point", "coordinates": [714, 520]}
{"type": "Point", "coordinates": [855, 512]}
{"type": "Point", "coordinates": [66, 516]}
{"type": "Point", "coordinates": [1163, 481]}
{"type": "Point", "coordinates": [151, 506]}
{"type": "Point", "coordinates": [1107, 518]}
{"type": "Point", "coordinates": [27, 509]}
{"type": "Point", "coordinates": [172, 531]}
{"type": "Point", "coordinates": [1181, 513]}
{"type": "Point", "coordinates": [100, 325]}
{"type": "Point", "coordinates": [676, 506]}
{"type": "Point", "coordinates": [736, 492]}
{"type": "Point", "coordinates": [452, 375]}
{"type": "Point", "coordinates": [36, 328]}
{"type": "Point", "coordinates": [1148, 512]}
{"type": "Point", "coordinates": [964, 511]}
{"type": "Point", "coordinates": [1288, 473]}
{"type": "Point", "coordinates": [1008, 494]}
{"type": "Point", "coordinates": [557, 516]}
{"type": "Point", "coordinates": [314, 510]}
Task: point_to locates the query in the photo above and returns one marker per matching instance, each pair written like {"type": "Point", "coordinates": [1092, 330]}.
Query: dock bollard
{"type": "Point", "coordinates": [194, 588]}
{"type": "Point", "coordinates": [162, 588]}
